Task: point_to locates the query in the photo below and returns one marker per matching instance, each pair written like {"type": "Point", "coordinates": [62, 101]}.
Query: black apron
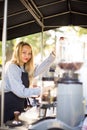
{"type": "Point", "coordinates": [14, 103]}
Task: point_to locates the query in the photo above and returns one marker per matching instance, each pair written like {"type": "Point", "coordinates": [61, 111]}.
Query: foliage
{"type": "Point", "coordinates": [82, 31]}
{"type": "Point", "coordinates": [36, 41]}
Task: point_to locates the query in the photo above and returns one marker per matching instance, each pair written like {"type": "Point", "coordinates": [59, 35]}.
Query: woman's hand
{"type": "Point", "coordinates": [36, 92]}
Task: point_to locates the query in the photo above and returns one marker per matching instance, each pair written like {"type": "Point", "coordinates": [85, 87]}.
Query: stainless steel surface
{"type": "Point", "coordinates": [70, 107]}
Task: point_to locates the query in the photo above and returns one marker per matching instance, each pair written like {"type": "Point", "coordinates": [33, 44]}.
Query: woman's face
{"type": "Point", "coordinates": [26, 54]}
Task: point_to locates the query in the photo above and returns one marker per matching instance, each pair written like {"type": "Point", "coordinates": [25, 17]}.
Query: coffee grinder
{"type": "Point", "coordinates": [70, 104]}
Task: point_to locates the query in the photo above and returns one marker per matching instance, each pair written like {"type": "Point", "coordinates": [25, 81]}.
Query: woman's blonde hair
{"type": "Point", "coordinates": [16, 58]}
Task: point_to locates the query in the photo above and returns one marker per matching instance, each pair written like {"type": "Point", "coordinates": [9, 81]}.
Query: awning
{"type": "Point", "coordinates": [27, 17]}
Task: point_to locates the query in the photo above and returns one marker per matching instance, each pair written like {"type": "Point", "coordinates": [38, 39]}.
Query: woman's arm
{"type": "Point", "coordinates": [45, 64]}
{"type": "Point", "coordinates": [14, 84]}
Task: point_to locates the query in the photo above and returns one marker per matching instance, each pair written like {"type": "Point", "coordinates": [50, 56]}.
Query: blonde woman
{"type": "Point", "coordinates": [19, 73]}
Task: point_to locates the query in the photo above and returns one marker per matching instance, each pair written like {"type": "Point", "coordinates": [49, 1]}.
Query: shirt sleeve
{"type": "Point", "coordinates": [14, 83]}
{"type": "Point", "coordinates": [44, 65]}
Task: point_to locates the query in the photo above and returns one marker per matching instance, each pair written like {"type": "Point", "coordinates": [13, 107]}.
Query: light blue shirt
{"type": "Point", "coordinates": [13, 80]}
